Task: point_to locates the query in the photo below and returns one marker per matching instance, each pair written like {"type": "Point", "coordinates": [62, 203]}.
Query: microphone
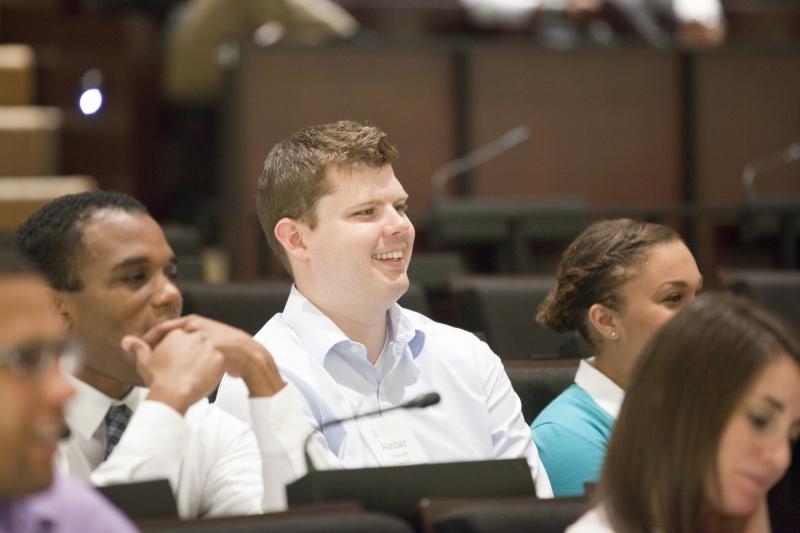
{"type": "Point", "coordinates": [788, 155]}
{"type": "Point", "coordinates": [508, 141]}
{"type": "Point", "coordinates": [420, 402]}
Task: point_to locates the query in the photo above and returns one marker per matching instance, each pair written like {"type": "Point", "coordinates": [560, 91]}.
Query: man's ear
{"type": "Point", "coordinates": [63, 305]}
{"type": "Point", "coordinates": [604, 321]}
{"type": "Point", "coordinates": [289, 233]}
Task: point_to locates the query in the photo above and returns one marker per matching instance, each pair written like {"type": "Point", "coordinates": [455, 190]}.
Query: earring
{"type": "Point", "coordinates": [613, 334]}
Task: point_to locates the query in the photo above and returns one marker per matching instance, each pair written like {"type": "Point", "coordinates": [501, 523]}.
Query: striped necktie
{"type": "Point", "coordinates": [116, 420]}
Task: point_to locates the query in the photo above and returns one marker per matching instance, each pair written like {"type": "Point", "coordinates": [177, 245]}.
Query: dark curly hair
{"type": "Point", "coordinates": [50, 236]}
{"type": "Point", "coordinates": [594, 267]}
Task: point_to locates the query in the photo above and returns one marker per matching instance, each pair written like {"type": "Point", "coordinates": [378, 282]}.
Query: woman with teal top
{"type": "Point", "coordinates": [617, 284]}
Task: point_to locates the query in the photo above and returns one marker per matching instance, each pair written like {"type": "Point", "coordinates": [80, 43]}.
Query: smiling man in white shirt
{"type": "Point", "coordinates": [113, 276]}
{"type": "Point", "coordinates": [335, 215]}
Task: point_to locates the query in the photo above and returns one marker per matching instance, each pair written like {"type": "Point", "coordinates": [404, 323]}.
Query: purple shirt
{"type": "Point", "coordinates": [67, 506]}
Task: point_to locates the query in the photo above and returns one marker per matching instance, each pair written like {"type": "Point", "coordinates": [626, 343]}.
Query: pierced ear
{"type": "Point", "coordinates": [289, 233]}
{"type": "Point", "coordinates": [603, 320]}
{"type": "Point", "coordinates": [62, 306]}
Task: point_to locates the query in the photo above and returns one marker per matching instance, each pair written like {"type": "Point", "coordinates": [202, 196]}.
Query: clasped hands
{"type": "Point", "coordinates": [183, 359]}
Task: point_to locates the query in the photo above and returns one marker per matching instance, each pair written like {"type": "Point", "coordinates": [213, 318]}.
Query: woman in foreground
{"type": "Point", "coordinates": [706, 426]}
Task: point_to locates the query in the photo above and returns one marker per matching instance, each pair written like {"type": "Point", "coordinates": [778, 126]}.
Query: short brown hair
{"type": "Point", "coordinates": [293, 177]}
{"type": "Point", "coordinates": [683, 391]}
{"type": "Point", "coordinates": [594, 267]}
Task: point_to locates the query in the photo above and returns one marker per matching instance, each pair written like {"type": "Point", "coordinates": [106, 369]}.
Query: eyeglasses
{"type": "Point", "coordinates": [34, 360]}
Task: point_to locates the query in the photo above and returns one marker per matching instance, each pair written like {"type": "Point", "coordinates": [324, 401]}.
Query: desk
{"type": "Point", "coordinates": [252, 522]}
{"type": "Point", "coordinates": [512, 225]}
{"type": "Point", "coordinates": [499, 514]}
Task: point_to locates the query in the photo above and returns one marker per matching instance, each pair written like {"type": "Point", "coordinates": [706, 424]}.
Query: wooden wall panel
{"type": "Point", "coordinates": [747, 108]}
{"type": "Point", "coordinates": [606, 124]}
{"type": "Point", "coordinates": [405, 91]}
{"type": "Point", "coordinates": [618, 128]}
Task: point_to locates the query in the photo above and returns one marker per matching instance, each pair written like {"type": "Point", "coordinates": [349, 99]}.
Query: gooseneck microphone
{"type": "Point", "coordinates": [508, 141]}
{"type": "Point", "coordinates": [421, 401]}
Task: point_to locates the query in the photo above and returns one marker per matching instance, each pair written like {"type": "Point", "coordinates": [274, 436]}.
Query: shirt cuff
{"type": "Point", "coordinates": [707, 12]}
{"type": "Point", "coordinates": [279, 421]}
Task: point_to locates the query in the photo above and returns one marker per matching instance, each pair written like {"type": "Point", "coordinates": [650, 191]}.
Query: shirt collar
{"type": "Point", "coordinates": [404, 331]}
{"type": "Point", "coordinates": [88, 408]}
{"type": "Point", "coordinates": [605, 393]}
{"type": "Point", "coordinates": [320, 334]}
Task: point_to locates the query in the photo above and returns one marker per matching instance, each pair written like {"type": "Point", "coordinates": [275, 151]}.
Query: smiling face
{"type": "Point", "coordinates": [754, 450]}
{"type": "Point", "coordinates": [127, 270]}
{"type": "Point", "coordinates": [354, 261]}
{"type": "Point", "coordinates": [31, 406]}
{"type": "Point", "coordinates": [668, 279]}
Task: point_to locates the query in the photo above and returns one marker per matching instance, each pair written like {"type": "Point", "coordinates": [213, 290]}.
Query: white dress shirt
{"type": "Point", "coordinates": [211, 459]}
{"type": "Point", "coordinates": [605, 393]}
{"type": "Point", "coordinates": [479, 416]}
{"type": "Point", "coordinates": [707, 12]}
{"type": "Point", "coordinates": [593, 521]}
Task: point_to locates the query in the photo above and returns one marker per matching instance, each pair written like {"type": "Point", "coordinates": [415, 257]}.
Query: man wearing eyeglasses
{"type": "Point", "coordinates": [33, 392]}
{"type": "Point", "coordinates": [114, 279]}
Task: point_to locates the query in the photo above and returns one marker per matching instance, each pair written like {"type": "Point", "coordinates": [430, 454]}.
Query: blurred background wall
{"type": "Point", "coordinates": [178, 102]}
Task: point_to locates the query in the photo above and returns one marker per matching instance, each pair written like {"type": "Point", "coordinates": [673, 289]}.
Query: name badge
{"type": "Point", "coordinates": [391, 440]}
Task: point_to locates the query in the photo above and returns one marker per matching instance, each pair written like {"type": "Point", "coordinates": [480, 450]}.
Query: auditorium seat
{"type": "Point", "coordinates": [486, 516]}
{"type": "Point", "coordinates": [415, 299]}
{"type": "Point", "coordinates": [245, 305]}
{"type": "Point", "coordinates": [777, 290]}
{"type": "Point", "coordinates": [503, 310]}
{"type": "Point", "coordinates": [537, 383]}
{"type": "Point", "coordinates": [433, 270]}
{"type": "Point", "coordinates": [248, 305]}
{"type": "Point", "coordinates": [290, 522]}
{"type": "Point", "coordinates": [187, 245]}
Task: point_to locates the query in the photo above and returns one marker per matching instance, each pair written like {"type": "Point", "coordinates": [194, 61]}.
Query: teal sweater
{"type": "Point", "coordinates": [572, 435]}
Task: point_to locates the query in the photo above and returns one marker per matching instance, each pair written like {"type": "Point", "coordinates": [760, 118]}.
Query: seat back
{"type": "Point", "coordinates": [290, 522]}
{"type": "Point", "coordinates": [536, 515]}
{"type": "Point", "coordinates": [245, 305]}
{"type": "Point", "coordinates": [776, 290]}
{"type": "Point", "coordinates": [187, 245]}
{"type": "Point", "coordinates": [503, 309]}
{"type": "Point", "coordinates": [537, 383]}
{"type": "Point", "coordinates": [415, 299]}
{"type": "Point", "coordinates": [248, 305]}
{"type": "Point", "coordinates": [433, 270]}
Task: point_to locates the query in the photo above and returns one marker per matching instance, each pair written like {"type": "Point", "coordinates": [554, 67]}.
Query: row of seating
{"type": "Point", "coordinates": [435, 516]}
{"type": "Point", "coordinates": [500, 309]}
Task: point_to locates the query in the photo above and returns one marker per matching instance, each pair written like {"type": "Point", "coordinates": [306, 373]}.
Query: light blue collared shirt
{"type": "Point", "coordinates": [479, 416]}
